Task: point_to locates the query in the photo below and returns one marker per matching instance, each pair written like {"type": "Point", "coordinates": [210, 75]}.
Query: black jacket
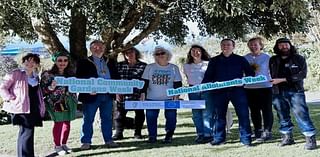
{"type": "Point", "coordinates": [87, 69]}
{"type": "Point", "coordinates": [297, 68]}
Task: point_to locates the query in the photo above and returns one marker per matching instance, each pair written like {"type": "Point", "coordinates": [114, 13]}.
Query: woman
{"type": "Point", "coordinates": [159, 77]}
{"type": "Point", "coordinates": [23, 98]}
{"type": "Point", "coordinates": [60, 104]}
{"type": "Point", "coordinates": [194, 69]}
{"type": "Point", "coordinates": [260, 94]}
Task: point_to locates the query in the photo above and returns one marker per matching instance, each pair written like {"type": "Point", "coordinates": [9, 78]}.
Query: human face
{"type": "Point", "coordinates": [284, 48]}
{"type": "Point", "coordinates": [196, 53]}
{"type": "Point", "coordinates": [255, 46]}
{"type": "Point", "coordinates": [130, 55]}
{"type": "Point", "coordinates": [97, 49]}
{"type": "Point", "coordinates": [62, 62]}
{"type": "Point", "coordinates": [30, 64]}
{"type": "Point", "coordinates": [161, 57]}
{"type": "Point", "coordinates": [227, 47]}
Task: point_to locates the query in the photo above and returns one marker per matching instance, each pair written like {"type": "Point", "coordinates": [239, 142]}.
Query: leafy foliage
{"type": "Point", "coordinates": [7, 65]}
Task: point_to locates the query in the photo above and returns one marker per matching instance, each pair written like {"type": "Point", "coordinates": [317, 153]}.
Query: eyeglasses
{"type": "Point", "coordinates": [159, 54]}
{"type": "Point", "coordinates": [62, 60]}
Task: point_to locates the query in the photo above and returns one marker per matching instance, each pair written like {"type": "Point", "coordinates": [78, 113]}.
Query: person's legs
{"type": "Point", "coordinates": [171, 121]}
{"type": "Point", "coordinates": [255, 110]}
{"type": "Point", "coordinates": [56, 131]}
{"type": "Point", "coordinates": [105, 108]}
{"type": "Point", "coordinates": [266, 106]}
{"type": "Point", "coordinates": [89, 111]}
{"type": "Point", "coordinates": [25, 142]}
{"type": "Point", "coordinates": [119, 119]}
{"type": "Point", "coordinates": [240, 103]}
{"type": "Point", "coordinates": [138, 121]}
{"type": "Point", "coordinates": [197, 114]}
{"type": "Point", "coordinates": [65, 132]}
{"type": "Point", "coordinates": [207, 115]}
{"type": "Point", "coordinates": [152, 123]}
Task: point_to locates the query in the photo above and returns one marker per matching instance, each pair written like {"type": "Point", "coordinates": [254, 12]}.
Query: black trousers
{"type": "Point", "coordinates": [120, 119]}
{"type": "Point", "coordinates": [25, 145]}
{"type": "Point", "coordinates": [260, 101]}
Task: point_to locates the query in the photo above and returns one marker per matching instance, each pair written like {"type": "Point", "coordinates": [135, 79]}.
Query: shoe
{"type": "Point", "coordinates": [167, 140]}
{"type": "Point", "coordinates": [199, 139]}
{"type": "Point", "coordinates": [152, 140]}
{"type": "Point", "coordinates": [117, 136]}
{"type": "Point", "coordinates": [85, 146]}
{"type": "Point", "coordinates": [311, 143]}
{"type": "Point", "coordinates": [287, 139]}
{"type": "Point", "coordinates": [266, 135]}
{"type": "Point", "coordinates": [216, 143]}
{"type": "Point", "coordinates": [111, 144]}
{"type": "Point", "coordinates": [246, 144]}
{"type": "Point", "coordinates": [66, 148]}
{"type": "Point", "coordinates": [138, 136]}
{"type": "Point", "coordinates": [59, 150]}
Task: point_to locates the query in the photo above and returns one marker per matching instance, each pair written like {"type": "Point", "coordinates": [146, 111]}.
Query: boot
{"type": "Point", "coordinates": [117, 136]}
{"type": "Point", "coordinates": [311, 143]}
{"type": "Point", "coordinates": [287, 139]}
{"type": "Point", "coordinates": [168, 137]}
{"type": "Point", "coordinates": [137, 134]}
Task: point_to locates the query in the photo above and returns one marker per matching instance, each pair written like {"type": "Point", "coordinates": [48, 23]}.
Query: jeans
{"type": "Point", "coordinates": [25, 143]}
{"type": "Point", "coordinates": [296, 101]}
{"type": "Point", "coordinates": [152, 121]}
{"type": "Point", "coordinates": [219, 100]}
{"type": "Point", "coordinates": [104, 103]}
{"type": "Point", "coordinates": [207, 114]}
{"type": "Point", "coordinates": [197, 114]}
{"type": "Point", "coordinates": [260, 101]}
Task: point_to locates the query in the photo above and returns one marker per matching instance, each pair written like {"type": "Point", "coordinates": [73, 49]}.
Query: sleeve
{"type": "Point", "coordinates": [247, 68]}
{"type": "Point", "coordinates": [298, 71]}
{"type": "Point", "coordinates": [208, 75]}
{"type": "Point", "coordinates": [6, 86]}
{"type": "Point", "coordinates": [81, 65]}
{"type": "Point", "coordinates": [177, 74]}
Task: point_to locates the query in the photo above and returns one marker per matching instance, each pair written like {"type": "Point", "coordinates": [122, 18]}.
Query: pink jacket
{"type": "Point", "coordinates": [14, 91]}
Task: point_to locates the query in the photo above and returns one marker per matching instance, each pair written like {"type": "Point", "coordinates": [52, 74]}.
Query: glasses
{"type": "Point", "coordinates": [62, 60]}
{"type": "Point", "coordinates": [159, 54]}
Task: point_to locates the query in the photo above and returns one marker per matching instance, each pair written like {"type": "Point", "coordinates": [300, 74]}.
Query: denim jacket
{"type": "Point", "coordinates": [14, 91]}
{"type": "Point", "coordinates": [298, 71]}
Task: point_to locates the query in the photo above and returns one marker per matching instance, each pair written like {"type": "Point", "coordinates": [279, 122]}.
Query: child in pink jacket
{"type": "Point", "coordinates": [23, 98]}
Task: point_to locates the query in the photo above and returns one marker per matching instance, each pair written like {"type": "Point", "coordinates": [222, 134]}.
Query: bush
{"type": "Point", "coordinates": [7, 64]}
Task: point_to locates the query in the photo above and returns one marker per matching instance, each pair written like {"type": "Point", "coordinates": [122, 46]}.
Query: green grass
{"type": "Point", "coordinates": [182, 145]}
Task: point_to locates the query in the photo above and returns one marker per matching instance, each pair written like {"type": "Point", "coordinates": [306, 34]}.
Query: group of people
{"type": "Point", "coordinates": [27, 96]}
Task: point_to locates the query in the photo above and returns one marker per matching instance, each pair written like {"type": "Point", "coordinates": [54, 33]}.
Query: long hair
{"type": "Point", "coordinates": [204, 54]}
{"type": "Point", "coordinates": [136, 51]}
{"type": "Point", "coordinates": [68, 71]}
{"type": "Point", "coordinates": [277, 51]}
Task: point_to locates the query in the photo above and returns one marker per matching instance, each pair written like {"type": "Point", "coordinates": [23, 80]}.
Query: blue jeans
{"type": "Point", "coordinates": [152, 121]}
{"type": "Point", "coordinates": [219, 100]}
{"type": "Point", "coordinates": [296, 101]}
{"type": "Point", "coordinates": [104, 103]}
{"type": "Point", "coordinates": [207, 114]}
{"type": "Point", "coordinates": [197, 114]}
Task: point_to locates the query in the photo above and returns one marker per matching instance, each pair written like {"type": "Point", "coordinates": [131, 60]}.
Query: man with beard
{"type": "Point", "coordinates": [288, 69]}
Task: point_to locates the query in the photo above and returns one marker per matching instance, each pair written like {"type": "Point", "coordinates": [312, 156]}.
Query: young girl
{"type": "Point", "coordinates": [23, 98]}
{"type": "Point", "coordinates": [60, 104]}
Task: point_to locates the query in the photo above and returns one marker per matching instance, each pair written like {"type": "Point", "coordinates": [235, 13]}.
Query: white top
{"type": "Point", "coordinates": [261, 67]}
{"type": "Point", "coordinates": [195, 72]}
{"type": "Point", "coordinates": [160, 79]}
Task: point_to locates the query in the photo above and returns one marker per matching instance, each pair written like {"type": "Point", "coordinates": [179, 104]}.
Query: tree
{"type": "Point", "coordinates": [115, 20]}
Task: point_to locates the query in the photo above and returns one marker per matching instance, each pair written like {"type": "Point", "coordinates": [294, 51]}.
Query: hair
{"type": "Point", "coordinates": [228, 39]}
{"type": "Point", "coordinates": [160, 48]}
{"type": "Point", "coordinates": [136, 51]}
{"type": "Point", "coordinates": [68, 71]}
{"type": "Point", "coordinates": [96, 42]}
{"type": "Point", "coordinates": [276, 50]}
{"type": "Point", "coordinates": [35, 58]}
{"type": "Point", "coordinates": [204, 54]}
{"type": "Point", "coordinates": [259, 39]}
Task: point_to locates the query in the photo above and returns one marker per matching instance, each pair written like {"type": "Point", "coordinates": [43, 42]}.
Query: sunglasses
{"type": "Point", "coordinates": [62, 60]}
{"type": "Point", "coordinates": [159, 54]}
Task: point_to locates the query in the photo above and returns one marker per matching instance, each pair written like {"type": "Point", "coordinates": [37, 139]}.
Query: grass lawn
{"type": "Point", "coordinates": [182, 146]}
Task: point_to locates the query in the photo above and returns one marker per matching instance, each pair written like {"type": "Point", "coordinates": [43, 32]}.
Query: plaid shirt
{"type": "Point", "coordinates": [127, 72]}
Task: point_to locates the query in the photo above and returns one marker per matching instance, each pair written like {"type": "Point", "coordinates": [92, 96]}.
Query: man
{"type": "Point", "coordinates": [131, 68]}
{"type": "Point", "coordinates": [97, 66]}
{"type": "Point", "coordinates": [224, 67]}
{"type": "Point", "coordinates": [288, 69]}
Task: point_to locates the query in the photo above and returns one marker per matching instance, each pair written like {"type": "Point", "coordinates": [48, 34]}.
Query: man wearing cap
{"type": "Point", "coordinates": [288, 69]}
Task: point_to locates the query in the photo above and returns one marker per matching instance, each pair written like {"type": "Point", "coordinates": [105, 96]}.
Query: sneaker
{"type": "Point", "coordinates": [287, 139]}
{"type": "Point", "coordinates": [138, 136]}
{"type": "Point", "coordinates": [117, 136]}
{"type": "Point", "coordinates": [85, 146]}
{"type": "Point", "coordinates": [59, 150]}
{"type": "Point", "coordinates": [207, 139]}
{"type": "Point", "coordinates": [167, 140]}
{"type": "Point", "coordinates": [266, 135]}
{"type": "Point", "coordinates": [311, 143]}
{"type": "Point", "coordinates": [216, 143]}
{"type": "Point", "coordinates": [199, 139]}
{"type": "Point", "coordinates": [111, 144]}
{"type": "Point", "coordinates": [66, 148]}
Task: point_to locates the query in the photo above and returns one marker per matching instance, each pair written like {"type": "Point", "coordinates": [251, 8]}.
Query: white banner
{"type": "Point", "coordinates": [169, 104]}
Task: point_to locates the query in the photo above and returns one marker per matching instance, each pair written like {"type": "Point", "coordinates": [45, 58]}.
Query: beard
{"type": "Point", "coordinates": [285, 52]}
